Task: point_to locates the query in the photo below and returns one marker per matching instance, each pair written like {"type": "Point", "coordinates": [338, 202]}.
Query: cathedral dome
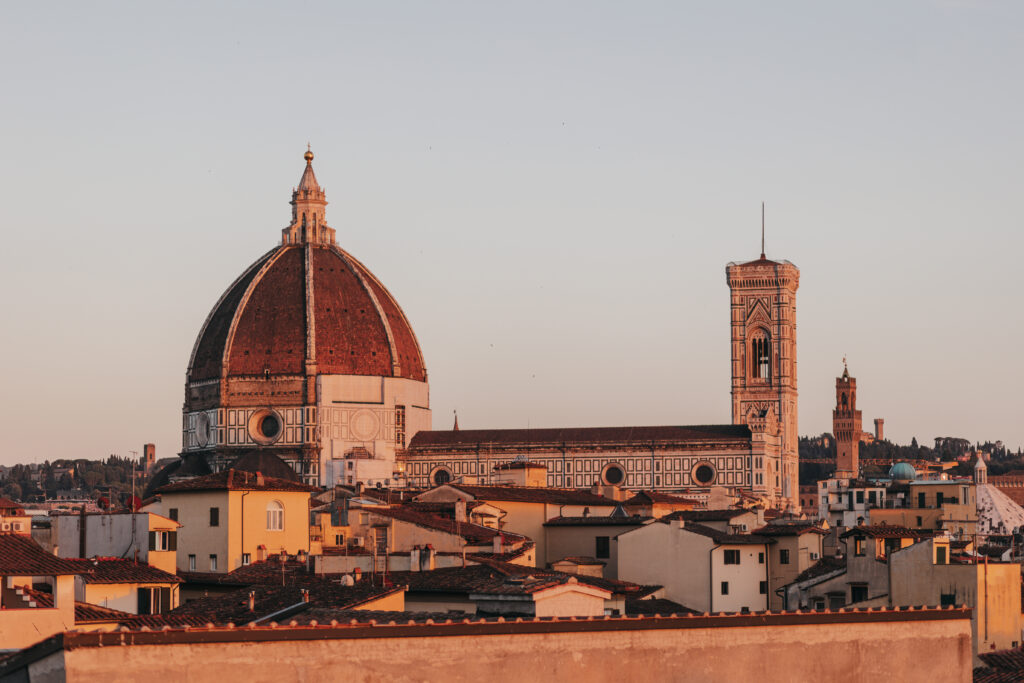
{"type": "Point", "coordinates": [306, 306]}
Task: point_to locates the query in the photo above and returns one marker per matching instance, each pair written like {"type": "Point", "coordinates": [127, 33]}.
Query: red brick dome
{"type": "Point", "coordinates": [306, 304]}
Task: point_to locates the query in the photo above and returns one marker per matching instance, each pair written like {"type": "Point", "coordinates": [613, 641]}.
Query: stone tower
{"type": "Point", "coordinates": [846, 426]}
{"type": "Point", "coordinates": [763, 324]}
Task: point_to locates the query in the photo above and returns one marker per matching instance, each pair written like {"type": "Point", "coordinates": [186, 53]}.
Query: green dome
{"type": "Point", "coordinates": [902, 471]}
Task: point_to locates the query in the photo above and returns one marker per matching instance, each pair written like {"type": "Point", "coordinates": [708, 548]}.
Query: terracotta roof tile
{"type": "Point", "coordinates": [234, 480]}
{"type": "Point", "coordinates": [654, 606]}
{"type": "Point", "coordinates": [704, 515]}
{"type": "Point", "coordinates": [429, 440]}
{"type": "Point", "coordinates": [118, 570]}
{"type": "Point", "coordinates": [21, 555]}
{"type": "Point", "coordinates": [790, 529]}
{"type": "Point", "coordinates": [826, 565]}
{"type": "Point", "coordinates": [648, 497]}
{"type": "Point", "coordinates": [473, 533]}
{"type": "Point", "coordinates": [635, 520]}
{"type": "Point", "coordinates": [727, 539]}
{"type": "Point", "coordinates": [534, 494]}
{"type": "Point", "coordinates": [887, 531]}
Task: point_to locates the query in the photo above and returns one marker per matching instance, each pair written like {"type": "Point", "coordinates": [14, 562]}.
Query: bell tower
{"type": "Point", "coordinates": [846, 426]}
{"type": "Point", "coordinates": [763, 329]}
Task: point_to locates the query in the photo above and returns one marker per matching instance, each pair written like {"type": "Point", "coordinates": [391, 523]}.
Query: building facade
{"type": "Point", "coordinates": [764, 372]}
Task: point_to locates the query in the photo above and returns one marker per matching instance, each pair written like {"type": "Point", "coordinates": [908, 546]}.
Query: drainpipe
{"type": "Point", "coordinates": [711, 578]}
{"type": "Point", "coordinates": [241, 549]}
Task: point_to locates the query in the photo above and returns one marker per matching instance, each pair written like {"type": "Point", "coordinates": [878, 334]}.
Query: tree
{"type": "Point", "coordinates": [913, 442]}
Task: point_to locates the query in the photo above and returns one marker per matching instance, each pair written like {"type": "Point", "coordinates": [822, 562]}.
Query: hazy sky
{"type": "Point", "coordinates": [551, 190]}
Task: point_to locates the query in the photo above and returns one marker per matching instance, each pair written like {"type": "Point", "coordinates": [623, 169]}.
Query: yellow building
{"type": "Point", "coordinates": [231, 518]}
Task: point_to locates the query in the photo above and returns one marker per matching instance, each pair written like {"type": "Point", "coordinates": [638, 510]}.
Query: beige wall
{"type": "Point", "coordinates": [20, 628]}
{"type": "Point", "coordinates": [581, 541]}
{"type": "Point", "coordinates": [664, 555]}
{"type": "Point", "coordinates": [236, 535]}
{"type": "Point", "coordinates": [570, 601]}
{"type": "Point", "coordinates": [120, 596]}
{"type": "Point", "coordinates": [804, 550]}
{"type": "Point", "coordinates": [992, 590]}
{"type": "Point", "coordinates": [925, 650]}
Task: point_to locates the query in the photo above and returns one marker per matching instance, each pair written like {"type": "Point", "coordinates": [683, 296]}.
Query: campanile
{"type": "Point", "coordinates": [763, 329]}
{"type": "Point", "coordinates": [846, 426]}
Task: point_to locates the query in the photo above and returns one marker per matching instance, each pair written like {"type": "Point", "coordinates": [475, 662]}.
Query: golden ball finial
{"type": "Point", "coordinates": [308, 156]}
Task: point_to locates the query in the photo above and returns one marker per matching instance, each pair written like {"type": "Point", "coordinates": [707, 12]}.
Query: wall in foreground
{"type": "Point", "coordinates": [931, 645]}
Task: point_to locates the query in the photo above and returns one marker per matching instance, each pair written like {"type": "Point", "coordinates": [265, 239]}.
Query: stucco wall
{"type": "Point", "coordinates": [580, 541]}
{"type": "Point", "coordinates": [665, 555]}
{"type": "Point", "coordinates": [20, 628]}
{"type": "Point", "coordinates": [197, 537]}
{"type": "Point", "coordinates": [929, 650]}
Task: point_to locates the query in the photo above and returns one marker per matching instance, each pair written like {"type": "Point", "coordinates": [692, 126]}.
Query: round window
{"type": "Point", "coordinates": [614, 475]}
{"type": "Point", "coordinates": [270, 426]}
{"type": "Point", "coordinates": [265, 426]}
{"type": "Point", "coordinates": [442, 477]}
{"type": "Point", "coordinates": [704, 474]}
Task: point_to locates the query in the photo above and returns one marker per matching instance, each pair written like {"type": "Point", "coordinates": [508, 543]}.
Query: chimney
{"type": "Point", "coordinates": [460, 511]}
{"type": "Point", "coordinates": [252, 601]}
{"type": "Point", "coordinates": [305, 595]}
{"type": "Point", "coordinates": [498, 543]}
{"type": "Point", "coordinates": [427, 558]}
{"type": "Point", "coordinates": [414, 559]}
{"type": "Point", "coordinates": [259, 479]}
{"type": "Point", "coordinates": [357, 574]}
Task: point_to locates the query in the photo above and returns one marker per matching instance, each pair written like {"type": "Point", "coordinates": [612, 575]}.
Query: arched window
{"type": "Point", "coordinates": [275, 516]}
{"type": "Point", "coordinates": [760, 357]}
{"type": "Point", "coordinates": [846, 403]}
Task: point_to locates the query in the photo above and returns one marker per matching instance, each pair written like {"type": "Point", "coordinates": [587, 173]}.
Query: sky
{"type": "Point", "coordinates": [551, 190]}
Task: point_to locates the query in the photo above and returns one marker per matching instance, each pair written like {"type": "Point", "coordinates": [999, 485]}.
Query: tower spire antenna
{"type": "Point", "coordinates": [762, 229]}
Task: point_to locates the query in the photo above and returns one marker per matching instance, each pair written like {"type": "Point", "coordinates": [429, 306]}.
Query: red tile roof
{"type": "Point", "coordinates": [887, 531]}
{"type": "Point", "coordinates": [654, 606]}
{"type": "Point", "coordinates": [790, 529]}
{"type": "Point", "coordinates": [21, 555]}
{"type": "Point", "coordinates": [9, 507]}
{"type": "Point", "coordinates": [473, 533]}
{"type": "Point", "coordinates": [727, 539]}
{"type": "Point", "coordinates": [534, 494]}
{"type": "Point", "coordinates": [118, 570]}
{"type": "Point", "coordinates": [234, 480]}
{"type": "Point", "coordinates": [234, 607]}
{"type": "Point", "coordinates": [635, 520]}
{"type": "Point", "coordinates": [826, 565]}
{"type": "Point", "coordinates": [426, 441]}
{"type": "Point", "coordinates": [648, 497]}
{"type": "Point", "coordinates": [704, 515]}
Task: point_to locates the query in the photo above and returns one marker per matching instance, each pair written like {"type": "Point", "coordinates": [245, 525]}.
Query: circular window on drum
{"type": "Point", "coordinates": [441, 476]}
{"type": "Point", "coordinates": [613, 474]}
{"type": "Point", "coordinates": [266, 426]}
{"type": "Point", "coordinates": [703, 474]}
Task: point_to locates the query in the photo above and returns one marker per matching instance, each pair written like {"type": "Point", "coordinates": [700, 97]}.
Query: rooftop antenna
{"type": "Point", "coordinates": [762, 229]}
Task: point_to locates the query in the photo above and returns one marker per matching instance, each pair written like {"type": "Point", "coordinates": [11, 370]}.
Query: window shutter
{"type": "Point", "coordinates": [144, 600]}
{"type": "Point", "coordinates": [152, 540]}
{"type": "Point", "coordinates": [172, 541]}
{"type": "Point", "coordinates": [165, 600]}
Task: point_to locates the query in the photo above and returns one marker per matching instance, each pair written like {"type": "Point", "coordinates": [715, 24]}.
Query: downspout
{"type": "Point", "coordinates": [711, 576]}
{"type": "Point", "coordinates": [241, 549]}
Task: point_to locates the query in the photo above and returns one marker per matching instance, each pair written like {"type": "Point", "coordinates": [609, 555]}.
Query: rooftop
{"type": "Point", "coordinates": [436, 440]}
{"type": "Point", "coordinates": [533, 494]}
{"type": "Point", "coordinates": [20, 555]}
{"type": "Point", "coordinates": [635, 520]}
{"type": "Point", "coordinates": [472, 533]}
{"type": "Point", "coordinates": [120, 570]}
{"type": "Point", "coordinates": [234, 480]}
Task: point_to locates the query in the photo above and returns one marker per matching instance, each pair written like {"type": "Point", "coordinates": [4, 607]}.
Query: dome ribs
{"type": "Point", "coordinates": [410, 359]}
{"type": "Point", "coordinates": [270, 333]}
{"type": "Point", "coordinates": [351, 337]}
{"type": "Point", "coordinates": [208, 353]}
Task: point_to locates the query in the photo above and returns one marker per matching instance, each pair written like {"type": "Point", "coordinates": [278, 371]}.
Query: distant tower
{"type": "Point", "coordinates": [148, 457]}
{"type": "Point", "coordinates": [846, 426]}
{"type": "Point", "coordinates": [763, 302]}
{"type": "Point", "coordinates": [879, 429]}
